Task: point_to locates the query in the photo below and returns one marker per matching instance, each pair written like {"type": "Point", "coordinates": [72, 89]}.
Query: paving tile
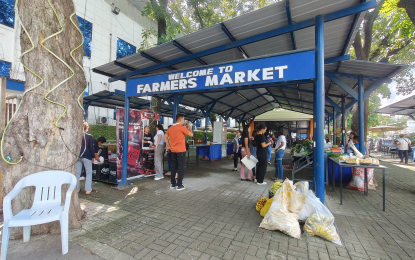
{"type": "Point", "coordinates": [215, 218]}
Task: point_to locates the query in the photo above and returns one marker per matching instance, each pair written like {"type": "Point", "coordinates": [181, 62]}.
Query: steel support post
{"type": "Point", "coordinates": [124, 181]}
{"type": "Point", "coordinates": [361, 102]}
{"type": "Point", "coordinates": [319, 101]}
{"type": "Point", "coordinates": [334, 127]}
{"type": "Point", "coordinates": [206, 125]}
{"type": "Point", "coordinates": [175, 108]}
{"type": "Point", "coordinates": [343, 121]}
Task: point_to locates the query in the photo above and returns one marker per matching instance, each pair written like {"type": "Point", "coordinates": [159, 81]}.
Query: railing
{"type": "Point", "coordinates": [12, 102]}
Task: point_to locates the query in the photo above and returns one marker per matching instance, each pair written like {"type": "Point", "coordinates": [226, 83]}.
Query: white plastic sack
{"type": "Point", "coordinates": [283, 213]}
{"type": "Point", "coordinates": [358, 180]}
{"type": "Point", "coordinates": [321, 223]}
{"type": "Point", "coordinates": [302, 187]}
{"type": "Point", "coordinates": [101, 160]}
{"type": "Point", "coordinates": [309, 206]}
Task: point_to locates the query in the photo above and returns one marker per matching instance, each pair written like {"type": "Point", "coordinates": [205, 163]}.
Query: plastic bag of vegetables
{"type": "Point", "coordinates": [283, 213]}
{"type": "Point", "coordinates": [321, 222]}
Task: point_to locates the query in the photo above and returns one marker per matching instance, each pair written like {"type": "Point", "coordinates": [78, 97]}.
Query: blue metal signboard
{"type": "Point", "coordinates": [282, 68]}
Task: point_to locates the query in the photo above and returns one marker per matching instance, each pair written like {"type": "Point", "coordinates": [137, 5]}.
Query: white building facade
{"type": "Point", "coordinates": [107, 31]}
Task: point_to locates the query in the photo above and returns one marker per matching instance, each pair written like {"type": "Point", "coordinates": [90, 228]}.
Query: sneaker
{"type": "Point", "coordinates": [157, 178]}
{"type": "Point", "coordinates": [172, 186]}
{"type": "Point", "coordinates": [181, 187]}
{"type": "Point", "coordinates": [82, 178]}
{"type": "Point", "coordinates": [264, 183]}
{"type": "Point", "coordinates": [255, 180]}
{"type": "Point", "coordinates": [269, 163]}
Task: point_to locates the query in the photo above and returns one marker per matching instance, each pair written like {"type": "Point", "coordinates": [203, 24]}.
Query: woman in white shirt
{"type": "Point", "coordinates": [159, 152]}
{"type": "Point", "coordinates": [279, 153]}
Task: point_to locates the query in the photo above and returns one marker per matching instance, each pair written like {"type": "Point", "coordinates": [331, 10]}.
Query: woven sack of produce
{"type": "Point", "coordinates": [283, 213]}
{"type": "Point", "coordinates": [321, 222]}
{"type": "Point", "coordinates": [266, 207]}
{"type": "Point", "coordinates": [358, 180]}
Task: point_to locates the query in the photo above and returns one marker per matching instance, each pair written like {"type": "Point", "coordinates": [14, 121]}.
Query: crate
{"type": "Point", "coordinates": [112, 177]}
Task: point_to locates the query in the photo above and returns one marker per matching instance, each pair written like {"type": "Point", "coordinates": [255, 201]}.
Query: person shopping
{"type": "Point", "coordinates": [176, 143]}
{"type": "Point", "coordinates": [246, 151]}
{"type": "Point", "coordinates": [237, 144]}
{"type": "Point", "coordinates": [279, 154]}
{"type": "Point", "coordinates": [168, 159]}
{"type": "Point", "coordinates": [403, 146]}
{"type": "Point", "coordinates": [262, 146]}
{"type": "Point", "coordinates": [158, 152]}
{"type": "Point", "coordinates": [253, 153]}
{"type": "Point", "coordinates": [269, 148]}
{"type": "Point", "coordinates": [86, 159]}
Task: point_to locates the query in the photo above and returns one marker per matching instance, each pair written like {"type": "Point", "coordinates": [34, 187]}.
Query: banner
{"type": "Point", "coordinates": [139, 161]}
{"type": "Point", "coordinates": [257, 71]}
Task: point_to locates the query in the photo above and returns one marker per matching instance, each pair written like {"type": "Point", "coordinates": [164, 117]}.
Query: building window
{"type": "Point", "coordinates": [5, 68]}
{"type": "Point", "coordinates": [7, 12]}
{"type": "Point", "coordinates": [124, 49]}
{"type": "Point", "coordinates": [86, 29]}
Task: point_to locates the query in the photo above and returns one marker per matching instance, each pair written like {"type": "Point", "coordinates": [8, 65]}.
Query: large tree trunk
{"type": "Point", "coordinates": [355, 118]}
{"type": "Point", "coordinates": [409, 6]}
{"type": "Point", "coordinates": [33, 133]}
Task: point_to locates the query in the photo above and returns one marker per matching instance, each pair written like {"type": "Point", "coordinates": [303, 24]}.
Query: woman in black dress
{"type": "Point", "coordinates": [262, 155]}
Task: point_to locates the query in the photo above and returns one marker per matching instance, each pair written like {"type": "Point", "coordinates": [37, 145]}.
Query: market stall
{"type": "Point", "coordinates": [259, 70]}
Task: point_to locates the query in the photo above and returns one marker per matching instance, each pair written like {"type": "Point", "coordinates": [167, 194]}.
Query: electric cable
{"type": "Point", "coordinates": [24, 93]}
{"type": "Point", "coordinates": [8, 160]}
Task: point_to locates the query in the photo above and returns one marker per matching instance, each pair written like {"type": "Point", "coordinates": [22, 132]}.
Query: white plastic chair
{"type": "Point", "coordinates": [46, 206]}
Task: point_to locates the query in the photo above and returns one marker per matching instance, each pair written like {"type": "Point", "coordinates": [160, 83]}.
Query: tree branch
{"type": "Point", "coordinates": [409, 6]}
{"type": "Point", "coordinates": [384, 43]}
{"type": "Point", "coordinates": [393, 52]}
{"type": "Point", "coordinates": [358, 48]}
{"type": "Point", "coordinates": [197, 13]}
{"type": "Point", "coordinates": [370, 18]}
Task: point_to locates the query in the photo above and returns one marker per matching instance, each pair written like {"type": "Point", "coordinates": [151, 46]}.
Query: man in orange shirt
{"type": "Point", "coordinates": [176, 143]}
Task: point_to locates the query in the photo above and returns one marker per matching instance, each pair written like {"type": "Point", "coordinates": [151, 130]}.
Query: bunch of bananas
{"type": "Point", "coordinates": [275, 187]}
{"type": "Point", "coordinates": [260, 203]}
{"type": "Point", "coordinates": [322, 226]}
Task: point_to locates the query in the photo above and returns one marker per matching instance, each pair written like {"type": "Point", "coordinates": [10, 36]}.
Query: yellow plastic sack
{"type": "Point", "coordinates": [283, 213]}
{"type": "Point", "coordinates": [265, 208]}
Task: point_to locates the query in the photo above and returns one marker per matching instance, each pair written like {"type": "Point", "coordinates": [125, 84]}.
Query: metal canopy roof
{"type": "Point", "coordinates": [337, 35]}
{"type": "Point", "coordinates": [404, 107]}
{"type": "Point", "coordinates": [112, 100]}
{"type": "Point", "coordinates": [276, 29]}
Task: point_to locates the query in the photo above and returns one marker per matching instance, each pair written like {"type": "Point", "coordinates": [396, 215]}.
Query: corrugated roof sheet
{"type": "Point", "coordinates": [112, 100]}
{"type": "Point", "coordinates": [262, 20]}
{"type": "Point", "coordinates": [253, 102]}
{"type": "Point", "coordinates": [404, 107]}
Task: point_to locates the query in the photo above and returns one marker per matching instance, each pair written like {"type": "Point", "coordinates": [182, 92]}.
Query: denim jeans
{"type": "Point", "coordinates": [279, 171]}
{"type": "Point", "coordinates": [88, 171]}
{"type": "Point", "coordinates": [402, 154]}
{"type": "Point", "coordinates": [269, 153]}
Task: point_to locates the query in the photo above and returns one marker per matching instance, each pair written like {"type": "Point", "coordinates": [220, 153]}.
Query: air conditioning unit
{"type": "Point", "coordinates": [102, 120]}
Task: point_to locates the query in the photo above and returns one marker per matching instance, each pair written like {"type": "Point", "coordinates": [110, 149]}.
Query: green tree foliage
{"type": "Point", "coordinates": [184, 17]}
{"type": "Point", "coordinates": [386, 35]}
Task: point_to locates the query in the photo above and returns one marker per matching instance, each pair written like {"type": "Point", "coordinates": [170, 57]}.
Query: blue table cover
{"type": "Point", "coordinates": [230, 148]}
{"type": "Point", "coordinates": [213, 151]}
{"type": "Point", "coordinates": [347, 172]}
